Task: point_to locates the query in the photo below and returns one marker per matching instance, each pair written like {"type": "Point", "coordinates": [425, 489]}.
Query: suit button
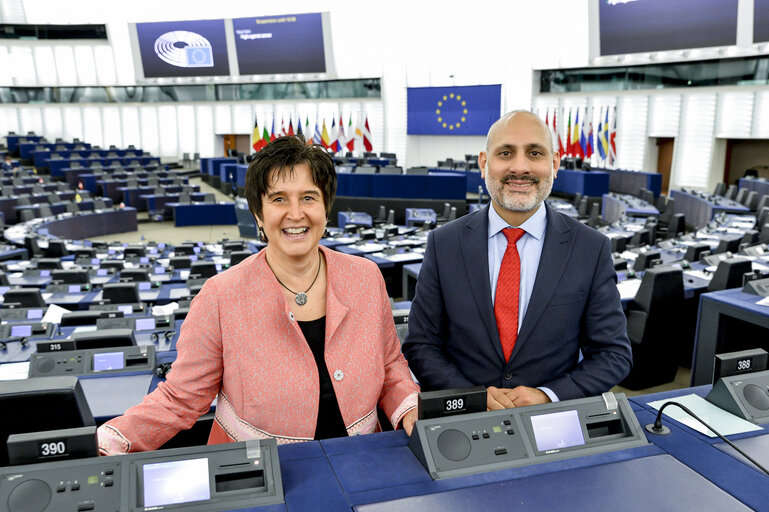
{"type": "Point", "coordinates": [508, 375]}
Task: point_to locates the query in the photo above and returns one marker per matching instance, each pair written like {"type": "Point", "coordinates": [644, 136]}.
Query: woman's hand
{"type": "Point", "coordinates": [408, 420]}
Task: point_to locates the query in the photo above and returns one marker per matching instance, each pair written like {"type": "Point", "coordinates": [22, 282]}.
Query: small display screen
{"type": "Point", "coordinates": [108, 361]}
{"type": "Point", "coordinates": [34, 314]}
{"type": "Point", "coordinates": [101, 272]}
{"type": "Point", "coordinates": [196, 250]}
{"type": "Point", "coordinates": [146, 285]}
{"type": "Point", "coordinates": [557, 430]}
{"type": "Point", "coordinates": [21, 331]}
{"type": "Point", "coordinates": [95, 261]}
{"type": "Point", "coordinates": [144, 259]}
{"type": "Point", "coordinates": [193, 257]}
{"type": "Point", "coordinates": [145, 324]}
{"type": "Point", "coordinates": [181, 481]}
{"type": "Point", "coordinates": [73, 288]}
{"type": "Point", "coordinates": [126, 309]}
{"type": "Point", "coordinates": [160, 270]}
{"type": "Point", "coordinates": [45, 273]}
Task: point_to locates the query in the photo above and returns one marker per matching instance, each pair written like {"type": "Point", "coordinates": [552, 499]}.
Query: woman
{"type": "Point", "coordinates": [296, 342]}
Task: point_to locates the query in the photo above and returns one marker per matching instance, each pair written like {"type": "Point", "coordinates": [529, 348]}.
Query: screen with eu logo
{"type": "Point", "coordinates": [183, 48]}
{"type": "Point", "coordinates": [453, 110]}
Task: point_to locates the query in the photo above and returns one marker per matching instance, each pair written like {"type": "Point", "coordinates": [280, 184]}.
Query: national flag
{"type": "Point", "coordinates": [612, 139]}
{"type": "Point", "coordinates": [583, 138]}
{"type": "Point", "coordinates": [333, 137]}
{"type": "Point", "coordinates": [367, 136]}
{"type": "Point", "coordinates": [341, 139]}
{"type": "Point", "coordinates": [80, 185]}
{"type": "Point", "coordinates": [78, 199]}
{"type": "Point", "coordinates": [590, 138]}
{"type": "Point", "coordinates": [603, 141]}
{"type": "Point", "coordinates": [255, 136]}
{"type": "Point", "coordinates": [318, 137]}
{"type": "Point", "coordinates": [290, 127]}
{"type": "Point", "coordinates": [282, 128]}
{"type": "Point", "coordinates": [272, 133]}
{"type": "Point", "coordinates": [324, 136]}
{"type": "Point", "coordinates": [351, 137]}
{"type": "Point", "coordinates": [558, 134]}
{"type": "Point", "coordinates": [299, 127]}
{"type": "Point", "coordinates": [576, 149]}
{"type": "Point", "coordinates": [568, 136]}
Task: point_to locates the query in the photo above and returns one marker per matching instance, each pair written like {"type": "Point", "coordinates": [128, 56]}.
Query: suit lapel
{"type": "Point", "coordinates": [559, 239]}
{"type": "Point", "coordinates": [475, 251]}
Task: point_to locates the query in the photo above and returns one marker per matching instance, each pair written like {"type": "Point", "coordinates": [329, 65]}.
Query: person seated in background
{"type": "Point", "coordinates": [9, 164]}
{"type": "Point", "coordinates": [518, 297]}
{"type": "Point", "coordinates": [297, 342]}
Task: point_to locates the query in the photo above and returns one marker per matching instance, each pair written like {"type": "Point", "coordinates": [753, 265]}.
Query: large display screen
{"type": "Point", "coordinates": [634, 26]}
{"type": "Point", "coordinates": [183, 48]}
{"type": "Point", "coordinates": [181, 481]}
{"type": "Point", "coordinates": [468, 110]}
{"type": "Point", "coordinates": [760, 21]}
{"type": "Point", "coordinates": [557, 430]}
{"type": "Point", "coordinates": [280, 44]}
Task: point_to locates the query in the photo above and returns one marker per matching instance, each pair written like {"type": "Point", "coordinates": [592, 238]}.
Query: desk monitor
{"type": "Point", "coordinates": [78, 276]}
{"type": "Point", "coordinates": [27, 406]}
{"type": "Point", "coordinates": [121, 293]}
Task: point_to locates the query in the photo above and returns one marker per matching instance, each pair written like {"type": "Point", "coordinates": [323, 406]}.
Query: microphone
{"type": "Point", "coordinates": [658, 428]}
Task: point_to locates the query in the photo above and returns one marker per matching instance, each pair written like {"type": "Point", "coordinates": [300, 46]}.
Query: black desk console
{"type": "Point", "coordinates": [93, 361]}
{"type": "Point", "coordinates": [26, 330]}
{"type": "Point", "coordinates": [206, 478]}
{"type": "Point", "coordinates": [487, 441]}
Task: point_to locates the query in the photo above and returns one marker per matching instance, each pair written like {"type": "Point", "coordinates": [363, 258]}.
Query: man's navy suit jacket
{"type": "Point", "coordinates": [453, 341]}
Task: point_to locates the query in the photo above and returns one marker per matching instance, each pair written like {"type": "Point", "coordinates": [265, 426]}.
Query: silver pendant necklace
{"type": "Point", "coordinates": [301, 297]}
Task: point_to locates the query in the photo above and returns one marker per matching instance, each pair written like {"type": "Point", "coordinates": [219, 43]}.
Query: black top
{"type": "Point", "coordinates": [330, 422]}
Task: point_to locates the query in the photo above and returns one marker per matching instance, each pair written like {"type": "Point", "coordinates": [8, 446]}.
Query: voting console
{"type": "Point", "coordinates": [210, 478]}
{"type": "Point", "coordinates": [93, 361]}
{"type": "Point", "coordinates": [474, 443]}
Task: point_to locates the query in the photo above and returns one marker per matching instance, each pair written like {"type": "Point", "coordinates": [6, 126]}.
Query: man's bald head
{"type": "Point", "coordinates": [507, 117]}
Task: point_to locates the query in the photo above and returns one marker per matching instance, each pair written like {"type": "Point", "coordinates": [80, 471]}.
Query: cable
{"type": "Point", "coordinates": [659, 429]}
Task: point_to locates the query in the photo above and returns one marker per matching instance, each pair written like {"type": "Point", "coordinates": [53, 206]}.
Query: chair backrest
{"type": "Point", "coordinates": [24, 297]}
{"type": "Point", "coordinates": [45, 211]}
{"type": "Point", "coordinates": [742, 195]}
{"type": "Point", "coordinates": [238, 256]}
{"type": "Point", "coordinates": [209, 198]}
{"type": "Point", "coordinates": [181, 262]}
{"type": "Point", "coordinates": [728, 245]}
{"type": "Point", "coordinates": [185, 198]}
{"type": "Point", "coordinates": [729, 274]}
{"type": "Point", "coordinates": [99, 204]}
{"type": "Point", "coordinates": [365, 169]}
{"type": "Point", "coordinates": [645, 260]}
{"type": "Point", "coordinates": [763, 216]}
{"type": "Point", "coordinates": [752, 200]}
{"type": "Point", "coordinates": [26, 215]}
{"type": "Point", "coordinates": [720, 189]}
{"type": "Point", "coordinates": [660, 288]}
{"type": "Point", "coordinates": [121, 293]}
{"type": "Point", "coordinates": [762, 202]}
{"type": "Point", "coordinates": [582, 208]}
{"type": "Point", "coordinates": [731, 192]}
{"type": "Point", "coordinates": [134, 275]}
{"type": "Point", "coordinates": [56, 249]}
{"type": "Point", "coordinates": [202, 269]}
{"type": "Point", "coordinates": [763, 235]}
{"type": "Point", "coordinates": [641, 237]}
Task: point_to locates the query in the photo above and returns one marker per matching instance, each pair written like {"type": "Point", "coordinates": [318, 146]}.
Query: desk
{"type": "Point", "coordinates": [473, 177]}
{"type": "Point", "coordinates": [700, 209]}
{"type": "Point", "coordinates": [587, 183]}
{"type": "Point", "coordinates": [616, 205]}
{"type": "Point", "coordinates": [419, 216]}
{"type": "Point", "coordinates": [706, 456]}
{"type": "Point", "coordinates": [761, 187]}
{"type": "Point", "coordinates": [728, 321]}
{"type": "Point", "coordinates": [630, 182]}
{"type": "Point", "coordinates": [409, 186]}
{"type": "Point", "coordinates": [104, 222]}
{"type": "Point", "coordinates": [356, 218]}
{"type": "Point", "coordinates": [203, 214]}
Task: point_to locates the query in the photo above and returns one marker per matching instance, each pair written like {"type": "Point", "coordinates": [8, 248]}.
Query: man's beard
{"type": "Point", "coordinates": [515, 201]}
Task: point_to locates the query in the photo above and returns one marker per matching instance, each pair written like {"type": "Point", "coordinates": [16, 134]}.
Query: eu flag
{"type": "Point", "coordinates": [453, 110]}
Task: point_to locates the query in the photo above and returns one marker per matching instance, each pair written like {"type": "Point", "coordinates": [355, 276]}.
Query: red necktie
{"type": "Point", "coordinates": [506, 298]}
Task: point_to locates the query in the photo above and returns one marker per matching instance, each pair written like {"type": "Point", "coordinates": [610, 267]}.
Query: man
{"type": "Point", "coordinates": [535, 317]}
{"type": "Point", "coordinates": [9, 164]}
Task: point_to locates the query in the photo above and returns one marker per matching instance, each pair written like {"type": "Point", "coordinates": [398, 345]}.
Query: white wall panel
{"type": "Point", "coordinates": [665, 115]}
{"type": "Point", "coordinates": [45, 65]}
{"type": "Point", "coordinates": [53, 122]}
{"type": "Point", "coordinates": [129, 117]}
{"type": "Point", "coordinates": [168, 129]}
{"type": "Point", "coordinates": [204, 115]}
{"type": "Point", "coordinates": [105, 65]}
{"type": "Point", "coordinates": [21, 65]}
{"type": "Point", "coordinates": [85, 64]}
{"type": "Point", "coordinates": [694, 147]}
{"type": "Point", "coordinates": [9, 120]}
{"type": "Point", "coordinates": [93, 132]}
{"type": "Point", "coordinates": [761, 115]}
{"type": "Point", "coordinates": [734, 115]}
{"type": "Point", "coordinates": [113, 130]}
{"type": "Point", "coordinates": [73, 124]}
{"type": "Point", "coordinates": [185, 117]}
{"type": "Point", "coordinates": [243, 118]}
{"type": "Point", "coordinates": [632, 115]}
{"type": "Point", "coordinates": [65, 65]}
{"type": "Point", "coordinates": [149, 130]}
{"type": "Point", "coordinates": [31, 120]}
{"type": "Point", "coordinates": [222, 119]}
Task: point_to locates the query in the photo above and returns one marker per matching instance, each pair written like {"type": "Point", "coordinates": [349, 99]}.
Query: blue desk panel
{"type": "Point", "coordinates": [402, 186]}
{"type": "Point", "coordinates": [587, 183]}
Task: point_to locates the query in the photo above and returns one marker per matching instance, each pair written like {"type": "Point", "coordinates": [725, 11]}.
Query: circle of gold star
{"type": "Point", "coordinates": [451, 111]}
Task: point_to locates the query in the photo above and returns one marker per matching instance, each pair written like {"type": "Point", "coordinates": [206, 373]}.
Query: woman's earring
{"type": "Point", "coordinates": [262, 235]}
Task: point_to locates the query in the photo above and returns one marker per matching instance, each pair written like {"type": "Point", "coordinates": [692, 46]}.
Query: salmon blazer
{"type": "Point", "coordinates": [241, 344]}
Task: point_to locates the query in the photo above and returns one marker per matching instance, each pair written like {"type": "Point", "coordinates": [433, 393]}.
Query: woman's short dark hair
{"type": "Point", "coordinates": [280, 156]}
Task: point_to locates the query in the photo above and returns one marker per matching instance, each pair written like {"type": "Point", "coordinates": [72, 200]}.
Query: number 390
{"type": "Point", "coordinates": [53, 448]}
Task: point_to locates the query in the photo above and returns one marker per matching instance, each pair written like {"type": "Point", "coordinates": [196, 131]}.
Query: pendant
{"type": "Point", "coordinates": [301, 298]}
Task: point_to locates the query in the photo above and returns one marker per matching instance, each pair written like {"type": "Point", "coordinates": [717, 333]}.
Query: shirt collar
{"type": "Point", "coordinates": [534, 225]}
